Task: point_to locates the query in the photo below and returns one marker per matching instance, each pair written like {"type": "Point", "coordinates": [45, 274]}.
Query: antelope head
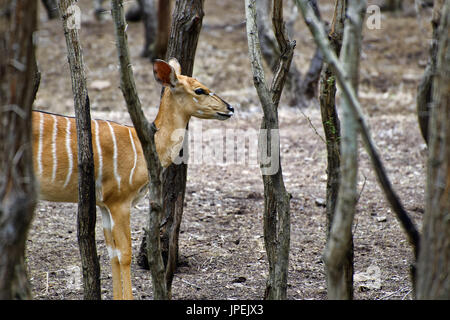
{"type": "Point", "coordinates": [192, 96]}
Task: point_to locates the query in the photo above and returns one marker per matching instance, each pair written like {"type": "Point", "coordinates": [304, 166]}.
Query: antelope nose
{"type": "Point", "coordinates": [230, 108]}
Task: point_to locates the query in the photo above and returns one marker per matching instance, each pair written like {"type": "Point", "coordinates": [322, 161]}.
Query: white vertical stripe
{"type": "Point", "coordinates": [98, 185]}
{"type": "Point", "coordinates": [41, 133]}
{"type": "Point", "coordinates": [69, 153]}
{"type": "Point", "coordinates": [116, 174]}
{"type": "Point", "coordinates": [55, 158]}
{"type": "Point", "coordinates": [135, 156]}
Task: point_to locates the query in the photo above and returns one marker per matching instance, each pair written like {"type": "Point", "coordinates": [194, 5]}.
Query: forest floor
{"type": "Point", "coordinates": [222, 253]}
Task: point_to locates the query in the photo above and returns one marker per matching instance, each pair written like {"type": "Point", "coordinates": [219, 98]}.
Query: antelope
{"type": "Point", "coordinates": [121, 176]}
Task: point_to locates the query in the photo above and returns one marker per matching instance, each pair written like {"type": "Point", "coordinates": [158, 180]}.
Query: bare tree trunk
{"type": "Point", "coordinates": [86, 217]}
{"type": "Point", "coordinates": [276, 198]}
{"type": "Point", "coordinates": [309, 84]}
{"type": "Point", "coordinates": [134, 13]}
{"type": "Point", "coordinates": [269, 48]}
{"type": "Point", "coordinates": [99, 11]}
{"type": "Point", "coordinates": [18, 22]}
{"type": "Point", "coordinates": [187, 21]}
{"type": "Point", "coordinates": [146, 134]}
{"type": "Point", "coordinates": [52, 8]}
{"type": "Point", "coordinates": [433, 280]}
{"type": "Point", "coordinates": [162, 37]}
{"type": "Point", "coordinates": [392, 5]}
{"type": "Point", "coordinates": [425, 90]}
{"type": "Point", "coordinates": [427, 3]}
{"type": "Point", "coordinates": [156, 20]}
{"type": "Point", "coordinates": [185, 30]}
{"type": "Point", "coordinates": [330, 117]}
{"type": "Point", "coordinates": [147, 10]}
{"type": "Point", "coordinates": [299, 88]}
{"type": "Point", "coordinates": [338, 255]}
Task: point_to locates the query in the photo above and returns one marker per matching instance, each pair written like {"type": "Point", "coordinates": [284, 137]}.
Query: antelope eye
{"type": "Point", "coordinates": [199, 91]}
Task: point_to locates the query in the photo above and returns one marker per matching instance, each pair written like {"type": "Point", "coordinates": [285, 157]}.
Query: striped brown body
{"type": "Point", "coordinates": [120, 169]}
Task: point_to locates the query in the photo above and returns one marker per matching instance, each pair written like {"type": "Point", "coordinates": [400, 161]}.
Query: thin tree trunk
{"type": "Point", "coordinates": [269, 48]}
{"type": "Point", "coordinates": [276, 198]}
{"type": "Point", "coordinates": [99, 11]}
{"type": "Point", "coordinates": [146, 133]}
{"type": "Point", "coordinates": [392, 5]}
{"type": "Point", "coordinates": [271, 52]}
{"type": "Point", "coordinates": [52, 8]}
{"type": "Point", "coordinates": [162, 37]}
{"type": "Point", "coordinates": [309, 84]}
{"type": "Point", "coordinates": [433, 280]}
{"type": "Point", "coordinates": [148, 11]}
{"type": "Point", "coordinates": [185, 30]}
{"type": "Point", "coordinates": [187, 21]}
{"type": "Point", "coordinates": [299, 88]}
{"type": "Point", "coordinates": [17, 182]}
{"type": "Point", "coordinates": [330, 117]}
{"type": "Point", "coordinates": [86, 217]}
{"type": "Point", "coordinates": [425, 90]}
{"type": "Point", "coordinates": [156, 20]}
{"type": "Point", "coordinates": [338, 255]}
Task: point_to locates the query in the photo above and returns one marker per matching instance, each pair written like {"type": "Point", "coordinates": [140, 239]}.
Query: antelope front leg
{"type": "Point", "coordinates": [112, 252]}
{"type": "Point", "coordinates": [121, 235]}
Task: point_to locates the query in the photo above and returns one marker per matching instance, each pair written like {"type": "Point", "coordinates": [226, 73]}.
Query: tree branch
{"type": "Point", "coordinates": [286, 48]}
{"type": "Point", "coordinates": [259, 78]}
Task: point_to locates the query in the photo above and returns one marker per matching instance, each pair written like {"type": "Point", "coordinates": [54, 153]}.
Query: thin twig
{"type": "Point", "coordinates": [407, 293]}
{"type": "Point", "coordinates": [362, 188]}
{"type": "Point", "coordinates": [312, 126]}
{"type": "Point", "coordinates": [393, 293]}
{"type": "Point", "coordinates": [191, 284]}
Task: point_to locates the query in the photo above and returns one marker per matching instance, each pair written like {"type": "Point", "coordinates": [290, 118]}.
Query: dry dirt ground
{"type": "Point", "coordinates": [221, 242]}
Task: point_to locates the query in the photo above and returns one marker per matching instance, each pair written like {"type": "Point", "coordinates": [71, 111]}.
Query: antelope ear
{"type": "Point", "coordinates": [164, 73]}
{"type": "Point", "coordinates": [176, 65]}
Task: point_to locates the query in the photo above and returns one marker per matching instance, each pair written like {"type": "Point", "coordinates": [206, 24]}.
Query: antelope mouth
{"type": "Point", "coordinates": [224, 116]}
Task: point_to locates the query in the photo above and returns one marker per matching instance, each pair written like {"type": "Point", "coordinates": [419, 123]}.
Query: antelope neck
{"type": "Point", "coordinates": [171, 117]}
